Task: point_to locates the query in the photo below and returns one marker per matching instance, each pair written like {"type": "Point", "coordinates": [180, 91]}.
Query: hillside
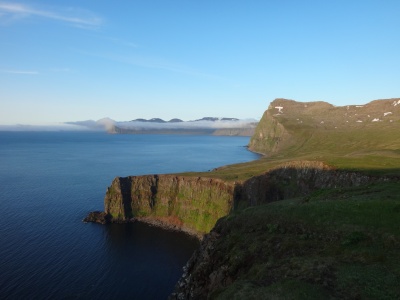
{"type": "Point", "coordinates": [336, 135]}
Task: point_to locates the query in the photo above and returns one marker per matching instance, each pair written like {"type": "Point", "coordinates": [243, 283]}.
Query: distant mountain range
{"type": "Point", "coordinates": [175, 120]}
{"type": "Point", "coordinates": [206, 125]}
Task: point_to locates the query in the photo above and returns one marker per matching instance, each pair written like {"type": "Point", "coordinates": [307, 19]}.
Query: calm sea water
{"type": "Point", "coordinates": [49, 181]}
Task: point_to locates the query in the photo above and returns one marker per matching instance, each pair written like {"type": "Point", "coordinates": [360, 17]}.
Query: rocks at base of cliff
{"type": "Point", "coordinates": [97, 217]}
{"type": "Point", "coordinates": [167, 223]}
{"type": "Point", "coordinates": [199, 276]}
{"type": "Point", "coordinates": [104, 218]}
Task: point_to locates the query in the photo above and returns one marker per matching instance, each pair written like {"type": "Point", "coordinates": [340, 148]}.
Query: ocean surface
{"type": "Point", "coordinates": [49, 181]}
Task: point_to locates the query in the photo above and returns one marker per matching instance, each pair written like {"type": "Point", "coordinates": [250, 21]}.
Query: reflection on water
{"type": "Point", "coordinates": [49, 181]}
{"type": "Point", "coordinates": [151, 255]}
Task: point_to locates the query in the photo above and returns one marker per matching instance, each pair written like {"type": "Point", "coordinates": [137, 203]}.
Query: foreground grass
{"type": "Point", "coordinates": [332, 244]}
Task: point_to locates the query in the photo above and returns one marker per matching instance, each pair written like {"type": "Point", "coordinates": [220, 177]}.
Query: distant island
{"type": "Point", "coordinates": [203, 126]}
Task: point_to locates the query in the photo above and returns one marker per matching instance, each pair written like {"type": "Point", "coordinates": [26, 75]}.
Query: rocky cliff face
{"type": "Point", "coordinates": [191, 204]}
{"type": "Point", "coordinates": [194, 204]}
{"type": "Point", "coordinates": [296, 179]}
{"type": "Point", "coordinates": [270, 135]}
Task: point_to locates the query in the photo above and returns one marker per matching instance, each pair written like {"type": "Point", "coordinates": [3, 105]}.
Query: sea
{"type": "Point", "coordinates": [49, 181]}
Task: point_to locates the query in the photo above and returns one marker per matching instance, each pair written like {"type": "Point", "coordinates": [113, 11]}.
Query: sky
{"type": "Point", "coordinates": [71, 60]}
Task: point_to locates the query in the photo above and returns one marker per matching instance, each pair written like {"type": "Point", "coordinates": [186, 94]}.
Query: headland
{"type": "Point", "coordinates": [316, 216]}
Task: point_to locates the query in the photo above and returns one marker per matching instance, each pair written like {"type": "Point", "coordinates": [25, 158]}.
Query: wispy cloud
{"type": "Point", "coordinates": [75, 17]}
{"type": "Point", "coordinates": [120, 42]}
{"type": "Point", "coordinates": [21, 72]}
{"type": "Point", "coordinates": [33, 72]}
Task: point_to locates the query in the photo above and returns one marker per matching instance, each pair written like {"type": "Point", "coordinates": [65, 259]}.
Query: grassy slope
{"type": "Point", "coordinates": [340, 243]}
{"type": "Point", "coordinates": [339, 149]}
{"type": "Point", "coordinates": [372, 147]}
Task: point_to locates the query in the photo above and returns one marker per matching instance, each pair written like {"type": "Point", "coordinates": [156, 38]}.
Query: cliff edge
{"type": "Point", "coordinates": [195, 204]}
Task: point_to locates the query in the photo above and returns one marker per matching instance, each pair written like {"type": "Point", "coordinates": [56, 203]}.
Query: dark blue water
{"type": "Point", "coordinates": [49, 181]}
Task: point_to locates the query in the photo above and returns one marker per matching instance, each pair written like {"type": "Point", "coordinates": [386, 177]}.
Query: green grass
{"type": "Point", "coordinates": [290, 289]}
{"type": "Point", "coordinates": [374, 151]}
{"type": "Point", "coordinates": [334, 244]}
{"type": "Point", "coordinates": [339, 243]}
{"type": "Point", "coordinates": [197, 206]}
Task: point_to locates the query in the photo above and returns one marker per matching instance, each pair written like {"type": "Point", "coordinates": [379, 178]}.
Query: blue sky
{"type": "Point", "coordinates": [77, 60]}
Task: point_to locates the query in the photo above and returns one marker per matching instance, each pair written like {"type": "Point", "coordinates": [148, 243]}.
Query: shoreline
{"type": "Point", "coordinates": [156, 222]}
{"type": "Point", "coordinates": [168, 222]}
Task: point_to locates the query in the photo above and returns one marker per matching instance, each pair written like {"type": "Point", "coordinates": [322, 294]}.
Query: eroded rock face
{"type": "Point", "coordinates": [194, 204]}
{"type": "Point", "coordinates": [191, 204]}
{"type": "Point", "coordinates": [296, 179]}
{"type": "Point", "coordinates": [270, 135]}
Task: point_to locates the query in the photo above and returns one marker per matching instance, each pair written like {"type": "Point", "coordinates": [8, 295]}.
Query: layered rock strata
{"type": "Point", "coordinates": [190, 204]}
{"type": "Point", "coordinates": [194, 204]}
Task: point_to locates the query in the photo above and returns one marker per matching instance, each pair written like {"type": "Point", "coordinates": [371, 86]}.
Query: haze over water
{"type": "Point", "coordinates": [49, 181]}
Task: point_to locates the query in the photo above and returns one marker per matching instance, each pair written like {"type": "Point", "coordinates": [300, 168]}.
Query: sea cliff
{"type": "Point", "coordinates": [190, 204]}
{"type": "Point", "coordinates": [194, 204]}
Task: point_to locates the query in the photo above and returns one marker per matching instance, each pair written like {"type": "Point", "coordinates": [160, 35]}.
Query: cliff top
{"type": "Point", "coordinates": [352, 137]}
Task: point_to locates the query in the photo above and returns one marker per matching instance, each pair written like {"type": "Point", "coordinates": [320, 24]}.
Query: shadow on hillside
{"type": "Point", "coordinates": [299, 179]}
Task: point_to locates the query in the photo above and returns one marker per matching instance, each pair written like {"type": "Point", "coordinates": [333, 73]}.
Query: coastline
{"type": "Point", "coordinates": [167, 186]}
{"type": "Point", "coordinates": [158, 222]}
{"type": "Point", "coordinates": [166, 223]}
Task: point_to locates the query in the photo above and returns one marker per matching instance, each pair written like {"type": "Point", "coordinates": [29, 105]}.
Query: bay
{"type": "Point", "coordinates": [49, 181]}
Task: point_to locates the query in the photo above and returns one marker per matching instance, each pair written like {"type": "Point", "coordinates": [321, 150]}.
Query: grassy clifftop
{"type": "Point", "coordinates": [322, 214]}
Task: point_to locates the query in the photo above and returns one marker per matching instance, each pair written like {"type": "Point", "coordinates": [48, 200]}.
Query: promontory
{"type": "Point", "coordinates": [315, 218]}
